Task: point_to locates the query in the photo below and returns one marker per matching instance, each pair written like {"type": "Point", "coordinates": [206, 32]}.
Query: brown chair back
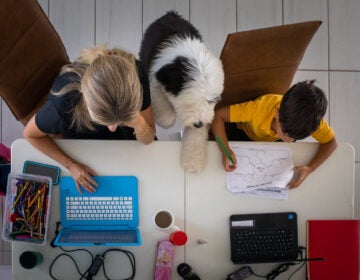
{"type": "Point", "coordinates": [31, 55]}
{"type": "Point", "coordinates": [262, 61]}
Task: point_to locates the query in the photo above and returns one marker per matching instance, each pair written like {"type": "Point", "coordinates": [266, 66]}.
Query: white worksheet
{"type": "Point", "coordinates": [263, 170]}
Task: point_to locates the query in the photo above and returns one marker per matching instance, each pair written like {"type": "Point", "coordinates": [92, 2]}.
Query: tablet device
{"type": "Point", "coordinates": [36, 168]}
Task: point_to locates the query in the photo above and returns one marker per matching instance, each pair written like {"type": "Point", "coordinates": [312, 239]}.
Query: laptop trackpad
{"type": "Point", "coordinates": [98, 237]}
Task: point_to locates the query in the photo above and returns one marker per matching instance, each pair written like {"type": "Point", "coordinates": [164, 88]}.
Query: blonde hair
{"type": "Point", "coordinates": [110, 87]}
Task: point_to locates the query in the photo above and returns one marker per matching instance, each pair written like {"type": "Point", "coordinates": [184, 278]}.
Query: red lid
{"type": "Point", "coordinates": [178, 238]}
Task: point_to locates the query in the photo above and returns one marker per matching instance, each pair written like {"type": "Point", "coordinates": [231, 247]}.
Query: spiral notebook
{"type": "Point", "coordinates": [107, 217]}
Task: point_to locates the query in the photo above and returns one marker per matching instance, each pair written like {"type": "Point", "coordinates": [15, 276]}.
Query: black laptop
{"type": "Point", "coordinates": [265, 237]}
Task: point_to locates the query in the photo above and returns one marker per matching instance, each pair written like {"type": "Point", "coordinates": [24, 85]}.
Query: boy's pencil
{"type": "Point", "coordinates": [224, 148]}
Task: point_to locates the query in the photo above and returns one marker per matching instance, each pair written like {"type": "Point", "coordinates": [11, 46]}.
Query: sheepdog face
{"type": "Point", "coordinates": [186, 79]}
{"type": "Point", "coordinates": [192, 79]}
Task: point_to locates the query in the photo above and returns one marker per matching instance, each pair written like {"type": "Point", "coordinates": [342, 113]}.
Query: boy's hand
{"type": "Point", "coordinates": [300, 174]}
{"type": "Point", "coordinates": [228, 166]}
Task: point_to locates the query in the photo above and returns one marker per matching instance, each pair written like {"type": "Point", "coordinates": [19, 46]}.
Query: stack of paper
{"type": "Point", "coordinates": [262, 170]}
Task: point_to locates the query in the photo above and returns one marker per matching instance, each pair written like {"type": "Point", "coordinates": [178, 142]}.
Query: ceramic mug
{"type": "Point", "coordinates": [30, 259]}
{"type": "Point", "coordinates": [164, 220]}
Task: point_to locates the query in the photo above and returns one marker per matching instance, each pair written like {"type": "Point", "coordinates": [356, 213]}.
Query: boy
{"type": "Point", "coordinates": [293, 116]}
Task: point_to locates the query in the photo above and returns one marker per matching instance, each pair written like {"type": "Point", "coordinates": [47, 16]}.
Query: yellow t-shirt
{"type": "Point", "coordinates": [255, 118]}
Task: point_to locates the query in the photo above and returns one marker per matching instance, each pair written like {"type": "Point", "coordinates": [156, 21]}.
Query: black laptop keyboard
{"type": "Point", "coordinates": [264, 245]}
{"type": "Point", "coordinates": [264, 237]}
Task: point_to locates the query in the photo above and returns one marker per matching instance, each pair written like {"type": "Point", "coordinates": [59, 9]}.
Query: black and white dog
{"type": "Point", "coordinates": [186, 80]}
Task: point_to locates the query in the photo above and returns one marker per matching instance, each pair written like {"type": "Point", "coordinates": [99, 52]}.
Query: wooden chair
{"type": "Point", "coordinates": [31, 55]}
{"type": "Point", "coordinates": [263, 61]}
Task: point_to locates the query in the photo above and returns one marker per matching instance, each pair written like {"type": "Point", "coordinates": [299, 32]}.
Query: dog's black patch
{"type": "Point", "coordinates": [160, 31]}
{"type": "Point", "coordinates": [175, 75]}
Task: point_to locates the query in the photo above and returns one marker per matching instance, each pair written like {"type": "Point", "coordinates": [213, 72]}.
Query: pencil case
{"type": "Point", "coordinates": [164, 260]}
{"type": "Point", "coordinates": [27, 208]}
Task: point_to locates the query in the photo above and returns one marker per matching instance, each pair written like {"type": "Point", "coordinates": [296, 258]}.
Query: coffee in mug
{"type": "Point", "coordinates": [164, 219]}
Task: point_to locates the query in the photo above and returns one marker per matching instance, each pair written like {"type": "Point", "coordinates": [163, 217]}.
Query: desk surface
{"type": "Point", "coordinates": [201, 204]}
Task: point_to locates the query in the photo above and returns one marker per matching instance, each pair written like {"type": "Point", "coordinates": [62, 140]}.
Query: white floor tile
{"type": "Point", "coordinates": [6, 257]}
{"type": "Point", "coordinates": [344, 111]}
{"type": "Point", "coordinates": [5, 272]}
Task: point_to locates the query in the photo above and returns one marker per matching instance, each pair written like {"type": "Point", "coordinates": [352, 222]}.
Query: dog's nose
{"type": "Point", "coordinates": [198, 125]}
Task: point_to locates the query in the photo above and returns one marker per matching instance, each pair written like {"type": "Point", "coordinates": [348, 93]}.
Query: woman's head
{"type": "Point", "coordinates": [111, 88]}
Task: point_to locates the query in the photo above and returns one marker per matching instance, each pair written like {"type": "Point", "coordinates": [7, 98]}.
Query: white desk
{"type": "Point", "coordinates": [161, 185]}
{"type": "Point", "coordinates": [327, 193]}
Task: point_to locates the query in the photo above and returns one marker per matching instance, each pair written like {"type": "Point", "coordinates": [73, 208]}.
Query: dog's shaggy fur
{"type": "Point", "coordinates": [186, 80]}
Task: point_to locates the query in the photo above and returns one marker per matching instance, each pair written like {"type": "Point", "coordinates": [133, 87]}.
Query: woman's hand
{"type": "Point", "coordinates": [82, 176]}
{"type": "Point", "coordinates": [143, 131]}
{"type": "Point", "coordinates": [300, 174]}
{"type": "Point", "coordinates": [138, 123]}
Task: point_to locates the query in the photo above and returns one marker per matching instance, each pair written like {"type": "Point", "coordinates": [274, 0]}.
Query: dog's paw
{"type": "Point", "coordinates": [194, 163]}
{"type": "Point", "coordinates": [165, 119]}
{"type": "Point", "coordinates": [163, 110]}
{"type": "Point", "coordinates": [194, 149]}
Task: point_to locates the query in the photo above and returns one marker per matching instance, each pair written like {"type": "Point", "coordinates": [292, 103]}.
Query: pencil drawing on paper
{"type": "Point", "coordinates": [261, 166]}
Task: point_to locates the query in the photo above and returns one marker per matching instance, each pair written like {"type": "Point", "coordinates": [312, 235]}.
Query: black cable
{"type": "Point", "coordinates": [95, 264]}
{"type": "Point", "coordinates": [83, 275]}
{"type": "Point", "coordinates": [76, 266]}
{"type": "Point", "coordinates": [284, 267]}
{"type": "Point", "coordinates": [131, 258]}
{"type": "Point", "coordinates": [257, 275]}
{"type": "Point", "coordinates": [292, 274]}
{"type": "Point", "coordinates": [301, 249]}
{"type": "Point", "coordinates": [87, 274]}
{"type": "Point", "coordinates": [280, 269]}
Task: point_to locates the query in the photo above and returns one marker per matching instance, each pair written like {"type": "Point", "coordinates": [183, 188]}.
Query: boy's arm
{"type": "Point", "coordinates": [222, 115]}
{"type": "Point", "coordinates": [301, 172]}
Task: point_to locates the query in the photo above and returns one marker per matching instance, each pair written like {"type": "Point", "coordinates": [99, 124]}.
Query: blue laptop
{"type": "Point", "coordinates": [107, 217]}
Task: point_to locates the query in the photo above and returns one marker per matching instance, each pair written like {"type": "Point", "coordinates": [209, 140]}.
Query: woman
{"type": "Point", "coordinates": [104, 94]}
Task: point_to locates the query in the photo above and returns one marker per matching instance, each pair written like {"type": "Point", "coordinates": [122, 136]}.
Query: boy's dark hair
{"type": "Point", "coordinates": [302, 108]}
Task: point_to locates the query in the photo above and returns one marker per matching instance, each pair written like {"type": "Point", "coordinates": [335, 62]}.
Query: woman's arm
{"type": "Point", "coordinates": [144, 126]}
{"type": "Point", "coordinates": [222, 115]}
{"type": "Point", "coordinates": [323, 153]}
{"type": "Point", "coordinates": [44, 143]}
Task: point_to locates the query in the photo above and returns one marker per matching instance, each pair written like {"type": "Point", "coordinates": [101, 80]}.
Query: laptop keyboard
{"type": "Point", "coordinates": [99, 208]}
{"type": "Point", "coordinates": [264, 244]}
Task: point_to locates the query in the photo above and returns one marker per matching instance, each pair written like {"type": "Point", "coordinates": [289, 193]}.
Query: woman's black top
{"type": "Point", "coordinates": [55, 116]}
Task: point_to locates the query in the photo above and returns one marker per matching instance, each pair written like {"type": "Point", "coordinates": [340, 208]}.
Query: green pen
{"type": "Point", "coordinates": [224, 149]}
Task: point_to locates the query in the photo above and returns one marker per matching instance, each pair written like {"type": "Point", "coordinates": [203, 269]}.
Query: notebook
{"type": "Point", "coordinates": [338, 242]}
{"type": "Point", "coordinates": [265, 237]}
{"type": "Point", "coordinates": [107, 217]}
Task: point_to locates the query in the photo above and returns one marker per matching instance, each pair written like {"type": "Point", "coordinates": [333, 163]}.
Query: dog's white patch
{"type": "Point", "coordinates": [194, 149]}
{"type": "Point", "coordinates": [195, 103]}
